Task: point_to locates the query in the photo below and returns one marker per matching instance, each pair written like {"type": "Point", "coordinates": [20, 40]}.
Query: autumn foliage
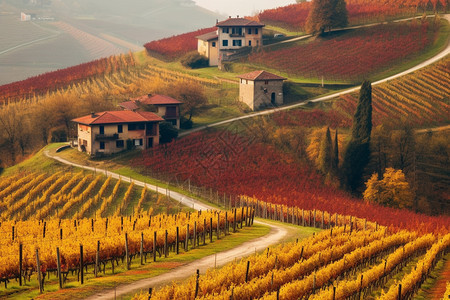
{"type": "Point", "coordinates": [238, 165]}
{"type": "Point", "coordinates": [349, 56]}
{"type": "Point", "coordinates": [61, 78]}
{"type": "Point", "coordinates": [294, 16]}
{"type": "Point", "coordinates": [178, 45]}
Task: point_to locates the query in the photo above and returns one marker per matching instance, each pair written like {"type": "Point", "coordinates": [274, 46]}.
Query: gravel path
{"type": "Point", "coordinates": [276, 234]}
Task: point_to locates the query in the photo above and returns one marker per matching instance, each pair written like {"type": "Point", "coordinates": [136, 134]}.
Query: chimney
{"type": "Point", "coordinates": [229, 17]}
{"type": "Point", "coordinates": [217, 21]}
{"type": "Point", "coordinates": [93, 114]}
{"type": "Point", "coordinates": [149, 95]}
{"type": "Point", "coordinates": [238, 16]}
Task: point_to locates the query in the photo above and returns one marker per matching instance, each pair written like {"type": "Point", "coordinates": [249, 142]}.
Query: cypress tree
{"type": "Point", "coordinates": [357, 155]}
{"type": "Point", "coordinates": [326, 153]}
{"type": "Point", "coordinates": [362, 120]}
{"type": "Point", "coordinates": [336, 153]}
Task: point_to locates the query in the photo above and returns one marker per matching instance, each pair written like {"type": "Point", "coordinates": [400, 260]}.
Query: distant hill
{"type": "Point", "coordinates": [88, 30]}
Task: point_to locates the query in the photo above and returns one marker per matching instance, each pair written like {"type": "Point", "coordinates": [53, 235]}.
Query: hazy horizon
{"type": "Point", "coordinates": [239, 7]}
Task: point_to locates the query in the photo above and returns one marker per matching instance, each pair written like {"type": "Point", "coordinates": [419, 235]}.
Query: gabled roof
{"type": "Point", "coordinates": [260, 75]}
{"type": "Point", "coordinates": [239, 22]}
{"type": "Point", "coordinates": [208, 36]}
{"type": "Point", "coordinates": [129, 105]}
{"type": "Point", "coordinates": [156, 100]}
{"type": "Point", "coordinates": [117, 117]}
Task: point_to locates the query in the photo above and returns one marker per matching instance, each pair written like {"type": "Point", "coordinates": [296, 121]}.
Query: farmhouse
{"type": "Point", "coordinates": [260, 89]}
{"type": "Point", "coordinates": [164, 106]}
{"type": "Point", "coordinates": [113, 131]}
{"type": "Point", "coordinates": [231, 36]}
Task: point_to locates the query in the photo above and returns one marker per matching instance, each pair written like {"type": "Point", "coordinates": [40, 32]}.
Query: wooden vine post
{"type": "Point", "coordinates": [58, 265]}
{"type": "Point", "coordinates": [38, 267]}
{"type": "Point", "coordinates": [20, 262]}
{"type": "Point", "coordinates": [81, 265]}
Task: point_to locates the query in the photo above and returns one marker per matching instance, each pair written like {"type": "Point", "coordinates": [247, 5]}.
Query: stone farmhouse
{"type": "Point", "coordinates": [231, 36]}
{"type": "Point", "coordinates": [109, 131]}
{"type": "Point", "coordinates": [261, 89]}
{"type": "Point", "coordinates": [164, 106]}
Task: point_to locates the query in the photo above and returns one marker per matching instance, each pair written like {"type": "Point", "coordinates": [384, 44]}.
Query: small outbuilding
{"type": "Point", "coordinates": [261, 89]}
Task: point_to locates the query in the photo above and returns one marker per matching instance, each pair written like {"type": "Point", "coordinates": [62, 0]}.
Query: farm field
{"type": "Point", "coordinates": [420, 97]}
{"type": "Point", "coordinates": [332, 264]}
{"type": "Point", "coordinates": [373, 50]}
{"type": "Point", "coordinates": [260, 206]}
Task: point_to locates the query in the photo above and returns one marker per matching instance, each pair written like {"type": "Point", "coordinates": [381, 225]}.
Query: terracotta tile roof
{"type": "Point", "coordinates": [260, 75]}
{"type": "Point", "coordinates": [129, 105]}
{"type": "Point", "coordinates": [117, 117]}
{"type": "Point", "coordinates": [156, 100]}
{"type": "Point", "coordinates": [208, 36]}
{"type": "Point", "coordinates": [239, 22]}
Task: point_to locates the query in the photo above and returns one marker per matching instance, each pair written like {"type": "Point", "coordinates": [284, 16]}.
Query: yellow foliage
{"type": "Point", "coordinates": [393, 190]}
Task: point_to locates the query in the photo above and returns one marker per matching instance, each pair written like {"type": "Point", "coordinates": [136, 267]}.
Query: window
{"type": "Point", "coordinates": [236, 30]}
{"type": "Point", "coordinates": [119, 144]}
{"type": "Point", "coordinates": [249, 43]}
{"type": "Point", "coordinates": [137, 142]}
{"type": "Point", "coordinates": [249, 31]}
{"type": "Point", "coordinates": [225, 43]}
{"type": "Point", "coordinates": [256, 30]}
{"type": "Point", "coordinates": [119, 128]}
{"type": "Point", "coordinates": [225, 30]}
{"type": "Point", "coordinates": [102, 129]}
{"type": "Point", "coordinates": [136, 126]}
{"type": "Point", "coordinates": [237, 43]}
{"type": "Point", "coordinates": [214, 44]}
{"type": "Point", "coordinates": [102, 145]}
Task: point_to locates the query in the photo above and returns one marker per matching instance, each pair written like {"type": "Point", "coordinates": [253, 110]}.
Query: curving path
{"type": "Point", "coordinates": [276, 234]}
{"type": "Point", "coordinates": [426, 63]}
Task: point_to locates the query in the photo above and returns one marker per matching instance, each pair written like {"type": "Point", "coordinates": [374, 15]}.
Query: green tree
{"type": "Point", "coordinates": [326, 153]}
{"type": "Point", "coordinates": [167, 132]}
{"type": "Point", "coordinates": [335, 157]}
{"type": "Point", "coordinates": [357, 155]}
{"type": "Point", "coordinates": [326, 14]}
{"type": "Point", "coordinates": [340, 15]}
{"type": "Point", "coordinates": [392, 190]}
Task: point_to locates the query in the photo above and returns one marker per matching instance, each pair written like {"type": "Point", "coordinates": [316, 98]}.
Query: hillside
{"type": "Point", "coordinates": [87, 30]}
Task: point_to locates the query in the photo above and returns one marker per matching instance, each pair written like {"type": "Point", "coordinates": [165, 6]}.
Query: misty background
{"type": "Point", "coordinates": [64, 33]}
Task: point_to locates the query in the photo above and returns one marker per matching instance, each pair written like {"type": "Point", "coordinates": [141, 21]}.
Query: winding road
{"type": "Point", "coordinates": [276, 234]}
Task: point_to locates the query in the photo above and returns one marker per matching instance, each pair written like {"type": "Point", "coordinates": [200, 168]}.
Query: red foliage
{"type": "Point", "coordinates": [234, 165]}
{"type": "Point", "coordinates": [294, 15]}
{"type": "Point", "coordinates": [177, 45]}
{"type": "Point", "coordinates": [359, 11]}
{"type": "Point", "coordinates": [348, 56]}
{"type": "Point", "coordinates": [61, 78]}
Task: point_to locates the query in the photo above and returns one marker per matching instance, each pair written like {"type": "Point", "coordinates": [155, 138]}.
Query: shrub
{"type": "Point", "coordinates": [194, 60]}
{"type": "Point", "coordinates": [186, 123]}
{"type": "Point", "coordinates": [167, 132]}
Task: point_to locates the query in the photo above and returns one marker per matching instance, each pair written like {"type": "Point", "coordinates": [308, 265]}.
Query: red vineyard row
{"type": "Point", "coordinates": [236, 165]}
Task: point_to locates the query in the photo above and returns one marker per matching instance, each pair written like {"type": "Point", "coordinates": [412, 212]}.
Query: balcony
{"type": "Point", "coordinates": [106, 137]}
{"type": "Point", "coordinates": [171, 116]}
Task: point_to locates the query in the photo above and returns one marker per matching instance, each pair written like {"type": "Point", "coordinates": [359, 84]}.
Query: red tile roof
{"type": "Point", "coordinates": [239, 22]}
{"type": "Point", "coordinates": [156, 100]}
{"type": "Point", "coordinates": [260, 75]}
{"type": "Point", "coordinates": [208, 36]}
{"type": "Point", "coordinates": [129, 105]}
{"type": "Point", "coordinates": [117, 117]}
